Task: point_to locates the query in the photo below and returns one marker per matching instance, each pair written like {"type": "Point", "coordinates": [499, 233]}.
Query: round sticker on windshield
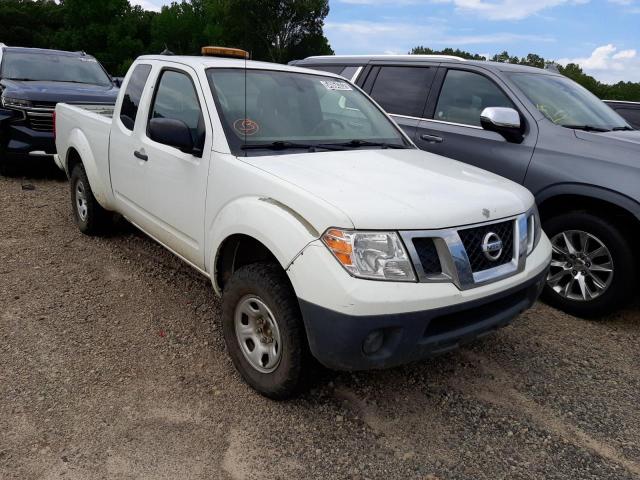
{"type": "Point", "coordinates": [246, 126]}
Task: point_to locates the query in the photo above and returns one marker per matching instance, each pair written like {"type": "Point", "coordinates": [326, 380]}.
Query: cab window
{"type": "Point", "coordinates": [464, 95]}
{"type": "Point", "coordinates": [176, 99]}
{"type": "Point", "coordinates": [132, 95]}
{"type": "Point", "coordinates": [403, 90]}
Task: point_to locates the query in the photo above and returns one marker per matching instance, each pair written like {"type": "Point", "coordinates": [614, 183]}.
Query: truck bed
{"type": "Point", "coordinates": [86, 129]}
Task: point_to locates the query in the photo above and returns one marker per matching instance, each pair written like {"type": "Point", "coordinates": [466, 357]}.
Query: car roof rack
{"type": "Point", "coordinates": [392, 56]}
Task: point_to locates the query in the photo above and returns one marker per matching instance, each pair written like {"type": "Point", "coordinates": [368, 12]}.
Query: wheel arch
{"type": "Point", "coordinates": [571, 197]}
{"type": "Point", "coordinates": [253, 229]}
{"type": "Point", "coordinates": [79, 152]}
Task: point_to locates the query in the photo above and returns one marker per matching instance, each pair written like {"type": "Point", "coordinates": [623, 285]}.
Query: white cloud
{"type": "Point", "coordinates": [491, 9]}
{"type": "Point", "coordinates": [378, 37]}
{"type": "Point", "coordinates": [609, 65]}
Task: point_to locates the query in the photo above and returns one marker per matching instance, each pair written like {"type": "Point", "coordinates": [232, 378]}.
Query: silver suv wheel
{"type": "Point", "coordinates": [581, 266]}
{"type": "Point", "coordinates": [258, 334]}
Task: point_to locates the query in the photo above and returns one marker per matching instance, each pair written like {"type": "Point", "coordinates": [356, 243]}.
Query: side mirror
{"type": "Point", "coordinates": [117, 81]}
{"type": "Point", "coordinates": [502, 120]}
{"type": "Point", "coordinates": [174, 133]}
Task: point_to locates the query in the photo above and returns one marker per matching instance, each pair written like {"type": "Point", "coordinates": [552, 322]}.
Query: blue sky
{"type": "Point", "coordinates": [601, 35]}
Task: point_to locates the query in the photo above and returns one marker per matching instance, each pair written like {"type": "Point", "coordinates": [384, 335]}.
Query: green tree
{"type": "Point", "coordinates": [19, 19]}
{"type": "Point", "coordinates": [279, 30]}
{"type": "Point", "coordinates": [447, 51]}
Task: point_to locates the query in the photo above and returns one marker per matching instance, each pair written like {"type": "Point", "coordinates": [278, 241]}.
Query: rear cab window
{"type": "Point", "coordinates": [133, 94]}
{"type": "Point", "coordinates": [403, 90]}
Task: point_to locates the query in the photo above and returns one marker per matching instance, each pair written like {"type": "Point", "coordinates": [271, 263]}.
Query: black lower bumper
{"type": "Point", "coordinates": [21, 140]}
{"type": "Point", "coordinates": [18, 138]}
{"type": "Point", "coordinates": [336, 339]}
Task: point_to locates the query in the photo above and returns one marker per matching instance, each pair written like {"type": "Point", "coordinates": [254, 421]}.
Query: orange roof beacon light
{"type": "Point", "coordinates": [224, 52]}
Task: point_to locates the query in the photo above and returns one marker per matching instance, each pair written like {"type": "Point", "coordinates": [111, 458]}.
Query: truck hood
{"type": "Point", "coordinates": [43, 91]}
{"type": "Point", "coordinates": [399, 189]}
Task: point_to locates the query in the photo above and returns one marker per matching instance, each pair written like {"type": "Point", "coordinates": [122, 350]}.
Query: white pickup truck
{"type": "Point", "coordinates": [327, 233]}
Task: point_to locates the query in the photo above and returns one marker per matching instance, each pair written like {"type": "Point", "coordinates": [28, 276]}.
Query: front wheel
{"type": "Point", "coordinates": [89, 215]}
{"type": "Point", "coordinates": [263, 330]}
{"type": "Point", "coordinates": [6, 169]}
{"type": "Point", "coordinates": [593, 268]}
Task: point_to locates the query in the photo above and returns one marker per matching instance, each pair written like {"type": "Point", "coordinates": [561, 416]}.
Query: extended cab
{"type": "Point", "coordinates": [32, 81]}
{"type": "Point", "coordinates": [323, 227]}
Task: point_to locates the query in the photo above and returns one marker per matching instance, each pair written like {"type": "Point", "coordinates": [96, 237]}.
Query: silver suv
{"type": "Point", "coordinates": [580, 159]}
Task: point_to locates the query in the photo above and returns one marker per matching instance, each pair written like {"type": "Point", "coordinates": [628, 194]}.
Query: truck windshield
{"type": "Point", "coordinates": [52, 67]}
{"type": "Point", "coordinates": [568, 104]}
{"type": "Point", "coordinates": [266, 111]}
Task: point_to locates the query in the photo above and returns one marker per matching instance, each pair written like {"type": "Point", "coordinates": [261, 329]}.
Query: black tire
{"type": "Point", "coordinates": [95, 220]}
{"type": "Point", "coordinates": [269, 283]}
{"type": "Point", "coordinates": [6, 165]}
{"type": "Point", "coordinates": [623, 280]}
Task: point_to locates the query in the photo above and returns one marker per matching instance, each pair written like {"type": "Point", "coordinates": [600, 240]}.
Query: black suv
{"type": "Point", "coordinates": [580, 158]}
{"type": "Point", "coordinates": [32, 81]}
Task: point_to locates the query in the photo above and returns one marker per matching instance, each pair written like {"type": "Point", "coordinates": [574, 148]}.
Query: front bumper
{"type": "Point", "coordinates": [22, 140]}
{"type": "Point", "coordinates": [19, 138]}
{"type": "Point", "coordinates": [418, 320]}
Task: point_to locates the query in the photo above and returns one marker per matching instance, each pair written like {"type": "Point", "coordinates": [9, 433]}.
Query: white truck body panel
{"type": "Point", "coordinates": [191, 205]}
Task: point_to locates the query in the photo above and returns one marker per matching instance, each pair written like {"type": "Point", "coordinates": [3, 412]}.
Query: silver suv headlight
{"type": "Point", "coordinates": [534, 229]}
{"type": "Point", "coordinates": [372, 255]}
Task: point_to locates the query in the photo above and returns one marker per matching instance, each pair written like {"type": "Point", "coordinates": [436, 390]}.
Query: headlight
{"type": "Point", "coordinates": [534, 229]}
{"type": "Point", "coordinates": [372, 255]}
{"type": "Point", "coordinates": [8, 102]}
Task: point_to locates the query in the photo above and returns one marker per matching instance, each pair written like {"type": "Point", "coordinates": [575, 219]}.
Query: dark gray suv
{"type": "Point", "coordinates": [579, 158]}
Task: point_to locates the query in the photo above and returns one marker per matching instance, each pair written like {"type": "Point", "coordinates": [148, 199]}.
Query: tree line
{"type": "Point", "coordinates": [618, 91]}
{"type": "Point", "coordinates": [116, 32]}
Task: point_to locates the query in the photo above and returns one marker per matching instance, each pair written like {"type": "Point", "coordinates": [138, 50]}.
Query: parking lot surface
{"type": "Point", "coordinates": [112, 365]}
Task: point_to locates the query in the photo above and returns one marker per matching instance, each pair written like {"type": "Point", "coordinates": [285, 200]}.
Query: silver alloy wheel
{"type": "Point", "coordinates": [581, 266]}
{"type": "Point", "coordinates": [258, 334]}
{"type": "Point", "coordinates": [81, 200]}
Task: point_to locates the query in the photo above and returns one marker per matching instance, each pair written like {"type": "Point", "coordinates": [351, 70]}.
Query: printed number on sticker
{"type": "Point", "coordinates": [335, 85]}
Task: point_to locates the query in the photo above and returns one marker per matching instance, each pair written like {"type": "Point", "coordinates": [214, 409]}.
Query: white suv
{"type": "Point", "coordinates": [325, 230]}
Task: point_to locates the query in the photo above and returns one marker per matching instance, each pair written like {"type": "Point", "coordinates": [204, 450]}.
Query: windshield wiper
{"type": "Point", "coordinates": [23, 79]}
{"type": "Point", "coordinates": [284, 145]}
{"type": "Point", "coordinates": [365, 143]}
{"type": "Point", "coordinates": [620, 129]}
{"type": "Point", "coordinates": [587, 128]}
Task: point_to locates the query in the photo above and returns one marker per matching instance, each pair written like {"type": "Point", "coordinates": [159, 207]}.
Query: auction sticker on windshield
{"type": "Point", "coordinates": [331, 85]}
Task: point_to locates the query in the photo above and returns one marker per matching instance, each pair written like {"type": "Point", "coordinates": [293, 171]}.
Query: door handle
{"type": "Point", "coordinates": [431, 138]}
{"type": "Point", "coordinates": [140, 155]}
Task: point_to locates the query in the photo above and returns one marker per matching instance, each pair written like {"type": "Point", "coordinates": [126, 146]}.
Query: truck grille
{"type": "Point", "coordinates": [472, 239]}
{"type": "Point", "coordinates": [40, 121]}
{"type": "Point", "coordinates": [40, 116]}
{"type": "Point", "coordinates": [428, 255]}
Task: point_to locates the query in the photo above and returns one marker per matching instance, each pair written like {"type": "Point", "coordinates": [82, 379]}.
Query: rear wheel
{"type": "Point", "coordinates": [593, 268]}
{"type": "Point", "coordinates": [89, 215]}
{"type": "Point", "coordinates": [263, 330]}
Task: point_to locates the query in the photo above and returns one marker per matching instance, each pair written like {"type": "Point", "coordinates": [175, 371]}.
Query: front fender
{"type": "Point", "coordinates": [600, 193]}
{"type": "Point", "coordinates": [277, 226]}
{"type": "Point", "coordinates": [78, 141]}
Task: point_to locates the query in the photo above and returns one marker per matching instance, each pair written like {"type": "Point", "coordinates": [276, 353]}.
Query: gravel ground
{"type": "Point", "coordinates": [112, 365]}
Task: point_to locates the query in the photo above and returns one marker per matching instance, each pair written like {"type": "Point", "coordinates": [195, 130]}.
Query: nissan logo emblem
{"type": "Point", "coordinates": [492, 246]}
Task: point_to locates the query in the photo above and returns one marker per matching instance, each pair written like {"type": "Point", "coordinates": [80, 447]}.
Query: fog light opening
{"type": "Point", "coordinates": [373, 342]}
